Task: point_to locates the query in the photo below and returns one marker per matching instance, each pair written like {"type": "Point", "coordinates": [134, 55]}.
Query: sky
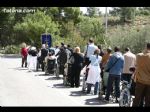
{"type": "Point", "coordinates": [102, 9]}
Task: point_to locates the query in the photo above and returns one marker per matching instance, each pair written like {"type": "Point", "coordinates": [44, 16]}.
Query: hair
{"type": "Point", "coordinates": [50, 54]}
{"type": "Point", "coordinates": [91, 40]}
{"type": "Point", "coordinates": [117, 48]}
{"type": "Point", "coordinates": [68, 46]}
{"type": "Point", "coordinates": [43, 46]}
{"type": "Point", "coordinates": [97, 51]}
{"type": "Point", "coordinates": [127, 49]}
{"type": "Point", "coordinates": [99, 46]}
{"type": "Point", "coordinates": [148, 46]}
{"type": "Point", "coordinates": [109, 50]}
{"type": "Point", "coordinates": [23, 45]}
{"type": "Point", "coordinates": [77, 50]}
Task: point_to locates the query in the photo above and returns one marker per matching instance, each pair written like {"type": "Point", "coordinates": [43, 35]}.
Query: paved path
{"type": "Point", "coordinates": [18, 87]}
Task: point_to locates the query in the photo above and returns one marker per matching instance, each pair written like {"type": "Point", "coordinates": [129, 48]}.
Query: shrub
{"type": "Point", "coordinates": [12, 49]}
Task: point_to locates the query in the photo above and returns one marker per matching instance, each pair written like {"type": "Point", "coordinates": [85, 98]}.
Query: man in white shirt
{"type": "Point", "coordinates": [89, 50]}
{"type": "Point", "coordinates": [130, 61]}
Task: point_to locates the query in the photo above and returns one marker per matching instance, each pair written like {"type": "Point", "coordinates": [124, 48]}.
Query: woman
{"type": "Point", "coordinates": [94, 77]}
{"type": "Point", "coordinates": [24, 53]}
{"type": "Point", "coordinates": [76, 67]}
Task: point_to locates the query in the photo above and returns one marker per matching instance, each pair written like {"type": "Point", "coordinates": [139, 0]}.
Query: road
{"type": "Point", "coordinates": [18, 87]}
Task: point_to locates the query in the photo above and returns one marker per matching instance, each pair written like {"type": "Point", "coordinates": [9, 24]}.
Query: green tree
{"type": "Point", "coordinates": [91, 27]}
{"type": "Point", "coordinates": [34, 25]}
{"type": "Point", "coordinates": [127, 14]}
{"type": "Point", "coordinates": [93, 12]}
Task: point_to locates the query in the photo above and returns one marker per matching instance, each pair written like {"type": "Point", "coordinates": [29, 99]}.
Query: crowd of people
{"type": "Point", "coordinates": [104, 69]}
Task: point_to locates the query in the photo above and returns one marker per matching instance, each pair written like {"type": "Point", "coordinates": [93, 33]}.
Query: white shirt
{"type": "Point", "coordinates": [90, 50]}
{"type": "Point", "coordinates": [129, 61]}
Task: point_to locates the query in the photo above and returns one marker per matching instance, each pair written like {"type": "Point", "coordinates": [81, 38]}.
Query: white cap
{"type": "Point", "coordinates": [33, 48]}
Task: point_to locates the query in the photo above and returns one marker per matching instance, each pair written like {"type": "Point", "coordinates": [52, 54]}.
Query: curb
{"type": "Point", "coordinates": [10, 55]}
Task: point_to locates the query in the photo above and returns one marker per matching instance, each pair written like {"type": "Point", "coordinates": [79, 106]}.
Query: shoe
{"type": "Point", "coordinates": [116, 101]}
{"type": "Point", "coordinates": [106, 99]}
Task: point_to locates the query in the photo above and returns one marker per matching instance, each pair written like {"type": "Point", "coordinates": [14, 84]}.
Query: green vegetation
{"type": "Point", "coordinates": [127, 27]}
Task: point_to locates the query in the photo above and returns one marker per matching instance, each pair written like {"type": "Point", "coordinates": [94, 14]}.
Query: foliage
{"type": "Point", "coordinates": [91, 27]}
{"type": "Point", "coordinates": [130, 37]}
{"type": "Point", "coordinates": [12, 49]}
{"type": "Point", "coordinates": [34, 25]}
{"type": "Point", "coordinates": [93, 12]}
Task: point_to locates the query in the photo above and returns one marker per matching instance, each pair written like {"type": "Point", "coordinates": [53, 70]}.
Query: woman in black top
{"type": "Point", "coordinates": [76, 67]}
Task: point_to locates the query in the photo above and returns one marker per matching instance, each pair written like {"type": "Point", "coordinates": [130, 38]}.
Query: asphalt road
{"type": "Point", "coordinates": [18, 87]}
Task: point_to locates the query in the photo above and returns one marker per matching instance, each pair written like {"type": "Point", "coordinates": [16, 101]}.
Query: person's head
{"type": "Point", "coordinates": [68, 46]}
{"type": "Point", "coordinates": [77, 50]}
{"type": "Point", "coordinates": [56, 46]}
{"type": "Point", "coordinates": [99, 46]}
{"type": "Point", "coordinates": [33, 48]}
{"type": "Point", "coordinates": [148, 46]}
{"type": "Point", "coordinates": [65, 46]}
{"type": "Point", "coordinates": [117, 49]}
{"type": "Point", "coordinates": [97, 51]}
{"type": "Point", "coordinates": [50, 54]}
{"type": "Point", "coordinates": [23, 45]}
{"type": "Point", "coordinates": [62, 44]}
{"type": "Point", "coordinates": [109, 50]}
{"type": "Point", "coordinates": [127, 49]}
{"type": "Point", "coordinates": [91, 40]}
{"type": "Point", "coordinates": [43, 46]}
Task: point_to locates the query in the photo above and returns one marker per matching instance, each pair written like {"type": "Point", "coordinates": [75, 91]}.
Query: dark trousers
{"type": "Point", "coordinates": [75, 76]}
{"type": "Point", "coordinates": [24, 60]}
{"type": "Point", "coordinates": [126, 77]}
{"type": "Point", "coordinates": [111, 80]}
{"type": "Point", "coordinates": [142, 91]}
{"type": "Point", "coordinates": [96, 88]}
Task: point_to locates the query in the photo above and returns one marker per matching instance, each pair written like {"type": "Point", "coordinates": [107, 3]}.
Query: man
{"type": "Point", "coordinates": [104, 62]}
{"type": "Point", "coordinates": [115, 66]}
{"type": "Point", "coordinates": [89, 50]}
{"type": "Point", "coordinates": [44, 53]}
{"type": "Point", "coordinates": [130, 60]}
{"type": "Point", "coordinates": [142, 74]}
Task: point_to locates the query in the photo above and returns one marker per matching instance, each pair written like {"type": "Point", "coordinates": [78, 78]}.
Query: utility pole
{"type": "Point", "coordinates": [106, 19]}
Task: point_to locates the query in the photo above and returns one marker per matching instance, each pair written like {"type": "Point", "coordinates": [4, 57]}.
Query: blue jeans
{"type": "Point", "coordinates": [111, 79]}
{"type": "Point", "coordinates": [96, 88]}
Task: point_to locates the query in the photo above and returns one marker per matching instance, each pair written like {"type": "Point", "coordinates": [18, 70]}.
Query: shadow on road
{"type": "Point", "coordinates": [60, 85]}
{"type": "Point", "coordinates": [42, 74]}
{"type": "Point", "coordinates": [54, 78]}
{"type": "Point", "coordinates": [95, 101]}
{"type": "Point", "coordinates": [77, 93]}
{"type": "Point", "coordinates": [19, 68]}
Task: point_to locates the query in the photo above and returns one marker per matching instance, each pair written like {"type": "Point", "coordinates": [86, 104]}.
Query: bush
{"type": "Point", "coordinates": [135, 39]}
{"type": "Point", "coordinates": [12, 49]}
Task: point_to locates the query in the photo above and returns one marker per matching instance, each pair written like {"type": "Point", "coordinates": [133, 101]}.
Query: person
{"type": "Point", "coordinates": [89, 50]}
{"type": "Point", "coordinates": [115, 66]}
{"type": "Point", "coordinates": [61, 59]}
{"type": "Point", "coordinates": [104, 74]}
{"type": "Point", "coordinates": [24, 53]}
{"type": "Point", "coordinates": [142, 78]}
{"type": "Point", "coordinates": [94, 77]}
{"type": "Point", "coordinates": [101, 51]}
{"type": "Point", "coordinates": [44, 53]}
{"type": "Point", "coordinates": [76, 67]}
{"type": "Point", "coordinates": [129, 61]}
{"type": "Point", "coordinates": [33, 58]}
